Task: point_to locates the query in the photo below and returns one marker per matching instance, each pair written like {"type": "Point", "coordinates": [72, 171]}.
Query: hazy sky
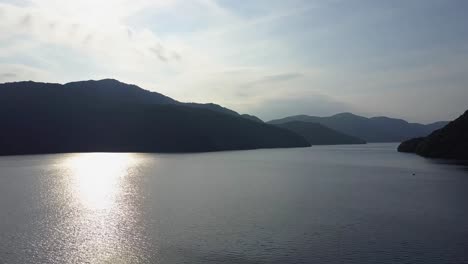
{"type": "Point", "coordinates": [271, 58]}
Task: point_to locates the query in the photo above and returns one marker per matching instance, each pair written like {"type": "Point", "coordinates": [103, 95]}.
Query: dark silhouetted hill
{"type": "Point", "coordinates": [109, 90]}
{"type": "Point", "coordinates": [212, 107]}
{"type": "Point", "coordinates": [318, 134]}
{"type": "Point", "coordinates": [449, 142]}
{"type": "Point", "coordinates": [109, 116]}
{"type": "Point", "coordinates": [375, 129]}
{"type": "Point", "coordinates": [121, 92]}
{"type": "Point", "coordinates": [252, 117]}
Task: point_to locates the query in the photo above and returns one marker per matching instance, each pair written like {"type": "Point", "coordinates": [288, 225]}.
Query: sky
{"type": "Point", "coordinates": [271, 58]}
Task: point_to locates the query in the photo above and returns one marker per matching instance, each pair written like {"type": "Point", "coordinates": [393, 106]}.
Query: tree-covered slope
{"type": "Point", "coordinates": [49, 118]}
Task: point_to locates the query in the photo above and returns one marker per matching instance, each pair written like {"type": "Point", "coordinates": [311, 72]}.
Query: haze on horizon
{"type": "Point", "coordinates": [405, 59]}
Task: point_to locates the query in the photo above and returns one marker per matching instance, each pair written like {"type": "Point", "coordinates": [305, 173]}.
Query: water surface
{"type": "Point", "coordinates": [327, 204]}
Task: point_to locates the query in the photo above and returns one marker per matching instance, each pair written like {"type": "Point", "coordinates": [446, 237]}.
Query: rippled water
{"type": "Point", "coordinates": [331, 204]}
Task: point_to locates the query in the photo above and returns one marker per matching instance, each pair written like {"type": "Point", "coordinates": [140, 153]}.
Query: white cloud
{"type": "Point", "coordinates": [70, 40]}
{"type": "Point", "coordinates": [201, 51]}
{"type": "Point", "coordinates": [15, 72]}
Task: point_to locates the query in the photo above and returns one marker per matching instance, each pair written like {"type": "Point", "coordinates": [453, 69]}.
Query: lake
{"type": "Point", "coordinates": [324, 204]}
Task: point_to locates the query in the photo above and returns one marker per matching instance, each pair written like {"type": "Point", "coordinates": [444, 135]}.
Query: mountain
{"type": "Point", "coordinates": [252, 117]}
{"type": "Point", "coordinates": [212, 107]}
{"type": "Point", "coordinates": [109, 116]}
{"type": "Point", "coordinates": [109, 90]}
{"type": "Point", "coordinates": [449, 142]}
{"type": "Point", "coordinates": [375, 129]}
{"type": "Point", "coordinates": [318, 134]}
{"type": "Point", "coordinates": [130, 93]}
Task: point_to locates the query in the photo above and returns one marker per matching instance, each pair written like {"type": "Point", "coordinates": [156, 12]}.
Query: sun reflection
{"type": "Point", "coordinates": [96, 178]}
{"type": "Point", "coordinates": [99, 190]}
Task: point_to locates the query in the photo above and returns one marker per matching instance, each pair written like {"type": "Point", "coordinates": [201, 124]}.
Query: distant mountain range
{"type": "Point", "coordinates": [318, 134]}
{"type": "Point", "coordinates": [375, 129]}
{"type": "Point", "coordinates": [110, 116]}
{"type": "Point", "coordinates": [449, 142]}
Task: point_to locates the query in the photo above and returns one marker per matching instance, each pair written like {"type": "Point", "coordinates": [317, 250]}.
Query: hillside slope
{"type": "Point", "coordinates": [449, 142]}
{"type": "Point", "coordinates": [317, 134]}
{"type": "Point", "coordinates": [50, 118]}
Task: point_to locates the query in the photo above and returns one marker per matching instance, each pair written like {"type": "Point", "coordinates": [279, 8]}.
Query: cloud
{"type": "Point", "coordinates": [129, 33]}
{"type": "Point", "coordinates": [89, 37]}
{"type": "Point", "coordinates": [159, 51]}
{"type": "Point", "coordinates": [26, 21]}
{"type": "Point", "coordinates": [282, 77]}
{"type": "Point", "coordinates": [16, 72]}
{"type": "Point", "coordinates": [52, 25]}
{"type": "Point", "coordinates": [176, 56]}
{"type": "Point", "coordinates": [8, 75]}
{"type": "Point", "coordinates": [270, 79]}
{"type": "Point", "coordinates": [67, 36]}
{"type": "Point", "coordinates": [112, 47]}
{"type": "Point", "coordinates": [263, 57]}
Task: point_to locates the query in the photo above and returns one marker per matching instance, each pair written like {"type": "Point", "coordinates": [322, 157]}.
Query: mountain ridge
{"type": "Point", "coordinates": [374, 129]}
{"type": "Point", "coordinates": [318, 134]}
{"type": "Point", "coordinates": [95, 116]}
{"type": "Point", "coordinates": [129, 93]}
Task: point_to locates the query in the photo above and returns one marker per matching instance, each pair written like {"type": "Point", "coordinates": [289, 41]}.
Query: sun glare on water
{"type": "Point", "coordinates": [97, 188]}
{"type": "Point", "coordinates": [96, 178]}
